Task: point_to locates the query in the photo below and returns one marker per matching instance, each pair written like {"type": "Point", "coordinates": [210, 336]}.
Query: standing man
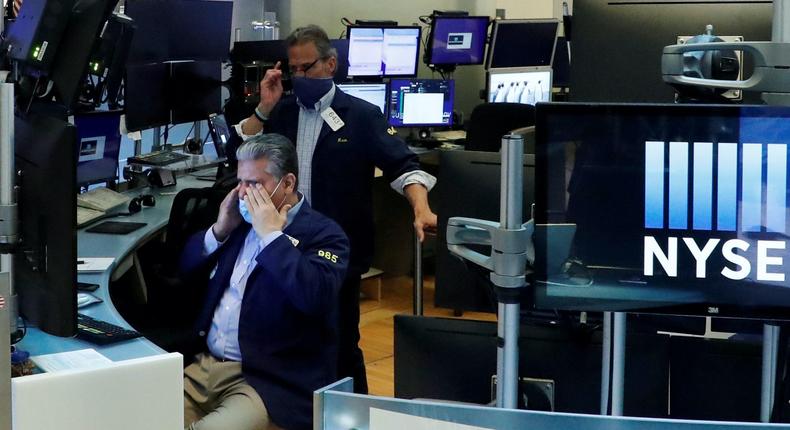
{"type": "Point", "coordinates": [270, 317]}
{"type": "Point", "coordinates": [340, 140]}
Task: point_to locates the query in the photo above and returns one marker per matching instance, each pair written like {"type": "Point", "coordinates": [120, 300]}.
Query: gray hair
{"type": "Point", "coordinates": [275, 148]}
{"type": "Point", "coordinates": [312, 34]}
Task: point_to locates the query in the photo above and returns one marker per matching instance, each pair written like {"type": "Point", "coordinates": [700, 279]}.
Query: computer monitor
{"type": "Point", "coordinates": [522, 43]}
{"type": "Point", "coordinates": [146, 96]}
{"type": "Point", "coordinates": [220, 133]}
{"type": "Point", "coordinates": [623, 63]}
{"type": "Point", "coordinates": [383, 51]}
{"type": "Point", "coordinates": [99, 142]}
{"type": "Point", "coordinates": [678, 208]}
{"type": "Point", "coordinates": [45, 266]}
{"type": "Point", "coordinates": [457, 40]}
{"type": "Point", "coordinates": [169, 30]}
{"type": "Point", "coordinates": [195, 90]}
{"type": "Point", "coordinates": [526, 86]}
{"type": "Point", "coordinates": [561, 67]}
{"type": "Point", "coordinates": [375, 94]}
{"type": "Point", "coordinates": [421, 102]}
{"type": "Point", "coordinates": [70, 66]}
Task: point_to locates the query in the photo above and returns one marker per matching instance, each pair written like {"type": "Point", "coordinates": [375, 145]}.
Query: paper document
{"type": "Point", "coordinates": [387, 420]}
{"type": "Point", "coordinates": [94, 264]}
{"type": "Point", "coordinates": [82, 359]}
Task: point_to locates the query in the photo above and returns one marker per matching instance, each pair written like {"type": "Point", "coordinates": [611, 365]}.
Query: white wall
{"type": "Point", "coordinates": [327, 14]}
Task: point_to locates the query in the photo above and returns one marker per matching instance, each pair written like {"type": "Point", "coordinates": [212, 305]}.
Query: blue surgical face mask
{"type": "Point", "coordinates": [310, 90]}
{"type": "Point", "coordinates": [245, 212]}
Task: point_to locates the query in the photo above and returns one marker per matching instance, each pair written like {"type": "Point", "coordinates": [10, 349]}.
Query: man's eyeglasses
{"type": "Point", "coordinates": [303, 68]}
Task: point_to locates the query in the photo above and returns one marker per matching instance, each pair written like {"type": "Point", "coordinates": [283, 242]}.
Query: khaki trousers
{"type": "Point", "coordinates": [216, 397]}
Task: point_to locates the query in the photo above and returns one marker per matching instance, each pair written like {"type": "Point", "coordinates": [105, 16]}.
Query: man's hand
{"type": "Point", "coordinates": [424, 218]}
{"type": "Point", "coordinates": [271, 89]}
{"type": "Point", "coordinates": [424, 221]}
{"type": "Point", "coordinates": [229, 217]}
{"type": "Point", "coordinates": [265, 217]}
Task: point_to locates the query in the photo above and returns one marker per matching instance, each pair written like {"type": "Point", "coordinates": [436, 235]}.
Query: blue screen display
{"type": "Point", "coordinates": [672, 205]}
{"type": "Point", "coordinates": [421, 102]}
{"type": "Point", "coordinates": [98, 143]}
{"type": "Point", "coordinates": [458, 40]}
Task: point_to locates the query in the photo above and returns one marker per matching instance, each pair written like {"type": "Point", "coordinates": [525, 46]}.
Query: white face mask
{"type": "Point", "coordinates": [245, 212]}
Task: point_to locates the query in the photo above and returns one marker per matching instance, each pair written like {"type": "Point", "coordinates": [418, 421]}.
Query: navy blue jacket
{"type": "Point", "coordinates": [288, 321]}
{"type": "Point", "coordinates": [343, 165]}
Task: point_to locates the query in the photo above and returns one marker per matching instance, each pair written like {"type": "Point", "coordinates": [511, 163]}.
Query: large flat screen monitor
{"type": "Point", "coordinates": [421, 102]}
{"type": "Point", "coordinates": [179, 30]}
{"type": "Point", "coordinates": [513, 86]}
{"type": "Point", "coordinates": [383, 51]}
{"type": "Point", "coordinates": [675, 208]}
{"type": "Point", "coordinates": [375, 94]}
{"type": "Point", "coordinates": [99, 142]}
{"type": "Point", "coordinates": [522, 43]}
{"type": "Point", "coordinates": [457, 40]}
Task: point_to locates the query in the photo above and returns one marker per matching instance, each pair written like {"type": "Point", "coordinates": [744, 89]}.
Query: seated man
{"type": "Point", "coordinates": [269, 319]}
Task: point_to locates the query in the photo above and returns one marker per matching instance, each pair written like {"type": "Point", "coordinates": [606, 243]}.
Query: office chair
{"type": "Point", "coordinates": [174, 301]}
{"type": "Point", "coordinates": [490, 121]}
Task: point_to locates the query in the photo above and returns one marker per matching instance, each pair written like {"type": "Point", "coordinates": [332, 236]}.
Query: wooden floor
{"type": "Point", "coordinates": [377, 328]}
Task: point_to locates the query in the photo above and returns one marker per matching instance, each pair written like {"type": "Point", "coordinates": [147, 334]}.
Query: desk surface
{"type": "Point", "coordinates": [119, 247]}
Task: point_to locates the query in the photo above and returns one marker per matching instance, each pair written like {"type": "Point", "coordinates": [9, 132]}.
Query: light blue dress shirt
{"type": "Point", "coordinates": [223, 337]}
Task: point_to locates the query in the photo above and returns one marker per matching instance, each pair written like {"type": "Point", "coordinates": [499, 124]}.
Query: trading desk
{"type": "Point", "coordinates": [143, 387]}
{"type": "Point", "coordinates": [122, 248]}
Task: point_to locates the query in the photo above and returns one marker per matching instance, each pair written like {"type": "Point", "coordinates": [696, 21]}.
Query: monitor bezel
{"type": "Point", "coordinates": [429, 49]}
{"type": "Point", "coordinates": [498, 22]}
{"type": "Point", "coordinates": [382, 27]}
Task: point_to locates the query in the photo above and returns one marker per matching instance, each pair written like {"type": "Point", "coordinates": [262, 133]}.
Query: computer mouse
{"type": "Point", "coordinates": [83, 299]}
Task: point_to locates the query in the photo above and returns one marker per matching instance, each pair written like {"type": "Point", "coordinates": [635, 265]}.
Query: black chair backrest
{"type": "Point", "coordinates": [490, 121]}
{"type": "Point", "coordinates": [193, 210]}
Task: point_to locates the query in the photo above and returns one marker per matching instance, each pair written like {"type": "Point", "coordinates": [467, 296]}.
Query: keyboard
{"type": "Point", "coordinates": [102, 332]}
{"type": "Point", "coordinates": [160, 158]}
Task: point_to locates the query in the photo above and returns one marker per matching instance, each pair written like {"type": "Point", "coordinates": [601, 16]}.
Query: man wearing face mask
{"type": "Point", "coordinates": [340, 140]}
{"type": "Point", "coordinates": [270, 316]}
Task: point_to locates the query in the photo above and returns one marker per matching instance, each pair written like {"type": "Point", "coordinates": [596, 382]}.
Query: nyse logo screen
{"type": "Point", "coordinates": [719, 207]}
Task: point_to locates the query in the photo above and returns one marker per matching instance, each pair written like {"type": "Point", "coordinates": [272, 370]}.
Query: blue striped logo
{"type": "Point", "coordinates": [712, 171]}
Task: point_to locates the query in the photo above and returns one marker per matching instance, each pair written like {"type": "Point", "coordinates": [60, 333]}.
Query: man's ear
{"type": "Point", "coordinates": [290, 182]}
{"type": "Point", "coordinates": [332, 64]}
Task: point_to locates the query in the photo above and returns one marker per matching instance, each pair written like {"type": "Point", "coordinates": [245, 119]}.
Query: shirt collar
{"type": "Point", "coordinates": [322, 103]}
{"type": "Point", "coordinates": [289, 217]}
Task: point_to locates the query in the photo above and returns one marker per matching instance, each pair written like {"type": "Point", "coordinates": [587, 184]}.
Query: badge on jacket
{"type": "Point", "coordinates": [391, 131]}
{"type": "Point", "coordinates": [294, 241]}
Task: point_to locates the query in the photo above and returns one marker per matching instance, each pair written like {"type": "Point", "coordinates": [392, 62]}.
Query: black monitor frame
{"type": "Point", "coordinates": [494, 33]}
{"type": "Point", "coordinates": [397, 27]}
{"type": "Point", "coordinates": [46, 262]}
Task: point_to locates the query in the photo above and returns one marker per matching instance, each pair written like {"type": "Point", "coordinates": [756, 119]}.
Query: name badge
{"type": "Point", "coordinates": [330, 116]}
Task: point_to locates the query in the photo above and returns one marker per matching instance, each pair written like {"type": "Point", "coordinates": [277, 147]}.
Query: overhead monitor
{"type": "Point", "coordinates": [98, 143]}
{"type": "Point", "coordinates": [170, 30]}
{"type": "Point", "coordinates": [375, 94]}
{"type": "Point", "coordinates": [146, 99]}
{"type": "Point", "coordinates": [526, 86]}
{"type": "Point", "coordinates": [383, 51]}
{"type": "Point", "coordinates": [522, 43]}
{"type": "Point", "coordinates": [457, 40]}
{"type": "Point", "coordinates": [676, 208]}
{"type": "Point", "coordinates": [421, 102]}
